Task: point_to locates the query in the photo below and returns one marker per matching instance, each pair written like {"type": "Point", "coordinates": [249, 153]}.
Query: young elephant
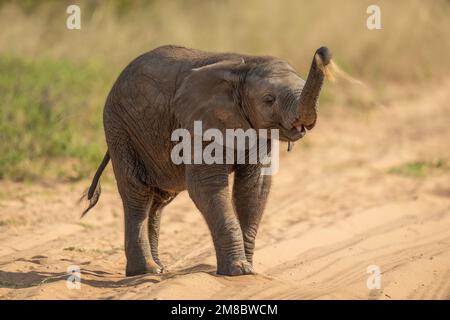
{"type": "Point", "coordinates": [170, 88]}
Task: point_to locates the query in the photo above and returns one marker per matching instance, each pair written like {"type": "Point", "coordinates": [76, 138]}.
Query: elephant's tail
{"type": "Point", "coordinates": [94, 191]}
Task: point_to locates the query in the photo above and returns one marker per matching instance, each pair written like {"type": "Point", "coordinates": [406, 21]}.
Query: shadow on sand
{"type": "Point", "coordinates": [94, 278]}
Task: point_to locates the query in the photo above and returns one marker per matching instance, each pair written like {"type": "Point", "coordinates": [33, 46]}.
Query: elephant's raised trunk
{"type": "Point", "coordinates": [307, 107]}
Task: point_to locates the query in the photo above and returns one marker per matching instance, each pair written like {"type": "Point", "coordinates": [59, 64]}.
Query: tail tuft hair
{"type": "Point", "coordinates": [92, 197]}
{"type": "Point", "coordinates": [94, 191]}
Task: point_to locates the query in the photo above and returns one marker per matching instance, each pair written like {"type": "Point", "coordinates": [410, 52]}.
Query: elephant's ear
{"type": "Point", "coordinates": [208, 94]}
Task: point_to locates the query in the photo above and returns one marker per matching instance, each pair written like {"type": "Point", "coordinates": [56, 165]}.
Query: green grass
{"type": "Point", "coordinates": [418, 169]}
{"type": "Point", "coordinates": [50, 118]}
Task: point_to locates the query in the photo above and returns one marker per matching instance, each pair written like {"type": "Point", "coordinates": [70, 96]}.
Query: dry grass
{"type": "Point", "coordinates": [411, 45]}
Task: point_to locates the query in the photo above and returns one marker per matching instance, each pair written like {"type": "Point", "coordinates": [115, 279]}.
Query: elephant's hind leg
{"type": "Point", "coordinates": [137, 246]}
{"type": "Point", "coordinates": [160, 200]}
{"type": "Point", "coordinates": [137, 198]}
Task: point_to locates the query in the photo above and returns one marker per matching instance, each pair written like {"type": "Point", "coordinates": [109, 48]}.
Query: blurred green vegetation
{"type": "Point", "coordinates": [419, 169]}
{"type": "Point", "coordinates": [53, 81]}
{"type": "Point", "coordinates": [47, 117]}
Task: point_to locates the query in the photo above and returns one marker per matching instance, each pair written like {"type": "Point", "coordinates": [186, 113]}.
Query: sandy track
{"type": "Point", "coordinates": [333, 211]}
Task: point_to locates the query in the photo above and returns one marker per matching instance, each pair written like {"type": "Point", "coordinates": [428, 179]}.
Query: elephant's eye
{"type": "Point", "coordinates": [269, 99]}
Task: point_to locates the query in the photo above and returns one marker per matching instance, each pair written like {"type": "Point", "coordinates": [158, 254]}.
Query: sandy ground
{"type": "Point", "coordinates": [333, 211]}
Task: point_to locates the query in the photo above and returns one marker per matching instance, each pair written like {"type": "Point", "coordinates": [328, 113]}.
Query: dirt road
{"type": "Point", "coordinates": [345, 198]}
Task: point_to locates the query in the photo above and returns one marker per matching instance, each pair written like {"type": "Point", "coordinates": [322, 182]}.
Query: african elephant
{"type": "Point", "coordinates": [170, 87]}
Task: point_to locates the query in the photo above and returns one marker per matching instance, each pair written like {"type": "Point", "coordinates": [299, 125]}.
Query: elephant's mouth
{"type": "Point", "coordinates": [293, 134]}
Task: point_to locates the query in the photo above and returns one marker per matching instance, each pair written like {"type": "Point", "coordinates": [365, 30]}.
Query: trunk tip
{"type": "Point", "coordinates": [324, 54]}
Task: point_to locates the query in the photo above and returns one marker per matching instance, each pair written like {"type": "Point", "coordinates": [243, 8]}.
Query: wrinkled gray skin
{"type": "Point", "coordinates": [169, 88]}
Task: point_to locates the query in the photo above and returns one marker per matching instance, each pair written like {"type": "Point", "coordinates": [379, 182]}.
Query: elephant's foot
{"type": "Point", "coordinates": [235, 268]}
{"type": "Point", "coordinates": [133, 269]}
{"type": "Point", "coordinates": [159, 263]}
{"type": "Point", "coordinates": [161, 266]}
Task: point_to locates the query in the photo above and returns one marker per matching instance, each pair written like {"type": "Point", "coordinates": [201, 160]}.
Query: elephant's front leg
{"type": "Point", "coordinates": [250, 191]}
{"type": "Point", "coordinates": [208, 188]}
